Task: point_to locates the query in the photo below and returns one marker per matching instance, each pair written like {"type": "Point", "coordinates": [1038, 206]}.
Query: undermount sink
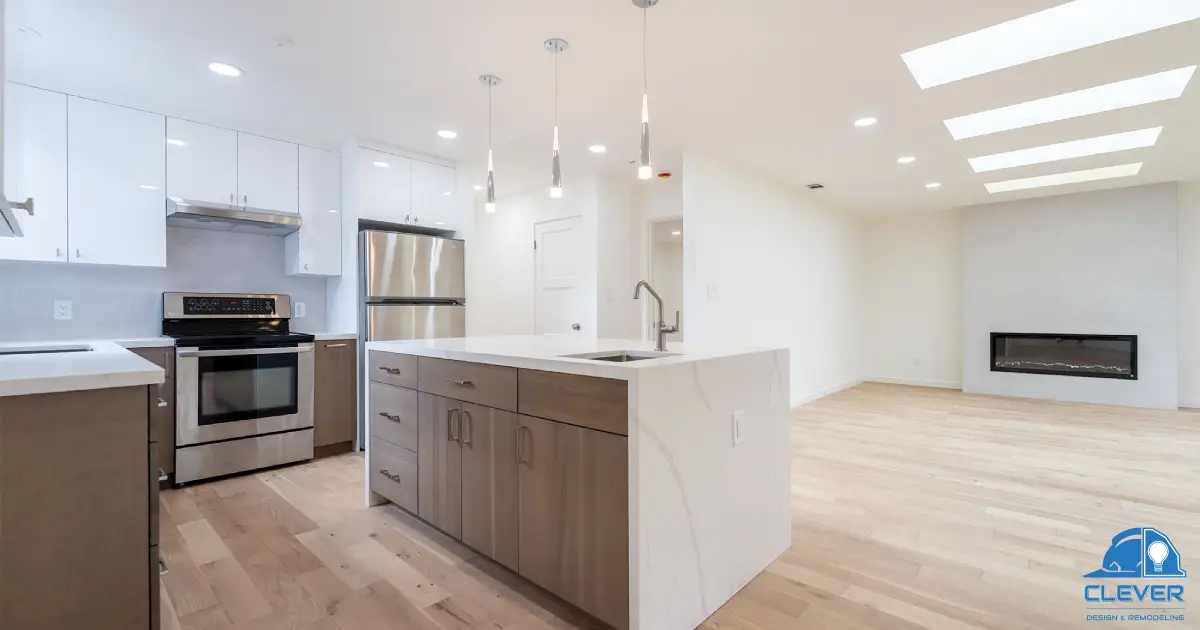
{"type": "Point", "coordinates": [622, 356]}
{"type": "Point", "coordinates": [42, 350]}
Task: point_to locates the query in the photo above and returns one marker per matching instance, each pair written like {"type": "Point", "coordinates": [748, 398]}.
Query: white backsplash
{"type": "Point", "coordinates": [126, 302]}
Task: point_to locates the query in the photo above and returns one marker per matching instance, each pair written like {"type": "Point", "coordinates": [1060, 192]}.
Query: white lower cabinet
{"type": "Point", "coordinates": [316, 249]}
{"type": "Point", "coordinates": [116, 165]}
{"type": "Point", "coordinates": [35, 166]}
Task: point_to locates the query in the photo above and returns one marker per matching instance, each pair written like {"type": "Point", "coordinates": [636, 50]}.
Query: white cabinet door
{"type": "Point", "coordinates": [202, 162]}
{"type": "Point", "coordinates": [316, 250]}
{"type": "Point", "coordinates": [116, 169]}
{"type": "Point", "coordinates": [385, 187]}
{"type": "Point", "coordinates": [268, 173]}
{"type": "Point", "coordinates": [35, 165]}
{"type": "Point", "coordinates": [432, 195]}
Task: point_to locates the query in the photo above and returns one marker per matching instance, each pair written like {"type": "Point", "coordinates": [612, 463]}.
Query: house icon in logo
{"type": "Point", "coordinates": [1140, 552]}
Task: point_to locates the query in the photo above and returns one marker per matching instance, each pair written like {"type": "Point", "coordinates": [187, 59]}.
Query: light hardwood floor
{"type": "Point", "coordinates": [912, 508]}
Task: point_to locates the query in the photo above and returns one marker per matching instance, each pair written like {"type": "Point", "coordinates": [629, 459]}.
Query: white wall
{"type": "Point", "coordinates": [1100, 262]}
{"type": "Point", "coordinates": [126, 302]}
{"type": "Point", "coordinates": [781, 268]}
{"type": "Point", "coordinates": [618, 315]}
{"type": "Point", "coordinates": [1189, 294]}
{"type": "Point", "coordinates": [500, 258]}
{"type": "Point", "coordinates": [912, 302]}
{"type": "Point", "coordinates": [666, 274]}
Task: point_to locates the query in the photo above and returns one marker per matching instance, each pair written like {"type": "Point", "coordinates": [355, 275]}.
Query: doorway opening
{"type": "Point", "coordinates": [665, 274]}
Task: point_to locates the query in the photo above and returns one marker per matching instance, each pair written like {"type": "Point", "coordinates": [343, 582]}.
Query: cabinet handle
{"type": "Point", "coordinates": [77, 254]}
{"type": "Point", "coordinates": [469, 434]}
{"type": "Point", "coordinates": [58, 252]}
{"type": "Point", "coordinates": [416, 220]}
{"type": "Point", "coordinates": [306, 266]}
{"type": "Point", "coordinates": [231, 199]}
{"type": "Point", "coordinates": [162, 475]}
{"type": "Point", "coordinates": [461, 383]}
{"type": "Point", "coordinates": [453, 435]}
{"type": "Point", "coordinates": [389, 475]}
{"type": "Point", "coordinates": [389, 416]}
{"type": "Point", "coordinates": [340, 345]}
{"type": "Point", "coordinates": [392, 371]}
{"type": "Point", "coordinates": [520, 443]}
{"type": "Point", "coordinates": [162, 403]}
{"type": "Point", "coordinates": [245, 200]}
{"type": "Point", "coordinates": [162, 566]}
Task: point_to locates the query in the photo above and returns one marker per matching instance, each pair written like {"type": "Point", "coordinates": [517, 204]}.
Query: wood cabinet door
{"type": "Point", "coordinates": [490, 492]}
{"type": "Point", "coordinates": [334, 397]}
{"type": "Point", "coordinates": [35, 165]}
{"type": "Point", "coordinates": [439, 463]}
{"type": "Point", "coordinates": [574, 516]}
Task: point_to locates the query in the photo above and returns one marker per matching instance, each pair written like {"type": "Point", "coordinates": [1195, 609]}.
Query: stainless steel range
{"type": "Point", "coordinates": [244, 383]}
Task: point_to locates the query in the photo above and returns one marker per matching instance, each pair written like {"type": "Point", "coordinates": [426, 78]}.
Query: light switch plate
{"type": "Point", "coordinates": [298, 307]}
{"type": "Point", "coordinates": [739, 427]}
{"type": "Point", "coordinates": [62, 309]}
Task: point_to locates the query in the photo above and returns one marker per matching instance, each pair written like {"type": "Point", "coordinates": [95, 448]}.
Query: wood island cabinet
{"type": "Point", "coordinates": [544, 492]}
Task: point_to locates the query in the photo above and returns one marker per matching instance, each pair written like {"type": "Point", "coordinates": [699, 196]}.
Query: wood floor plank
{"type": "Point", "coordinates": [410, 583]}
{"type": "Point", "coordinates": [203, 543]}
{"type": "Point", "coordinates": [239, 598]}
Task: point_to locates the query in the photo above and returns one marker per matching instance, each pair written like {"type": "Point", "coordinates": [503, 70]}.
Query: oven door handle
{"type": "Point", "coordinates": [243, 351]}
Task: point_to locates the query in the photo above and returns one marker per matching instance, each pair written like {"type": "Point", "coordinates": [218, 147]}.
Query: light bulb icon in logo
{"type": "Point", "coordinates": [1158, 552]}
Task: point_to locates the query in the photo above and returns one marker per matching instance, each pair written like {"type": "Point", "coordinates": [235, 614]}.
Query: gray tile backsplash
{"type": "Point", "coordinates": [116, 302]}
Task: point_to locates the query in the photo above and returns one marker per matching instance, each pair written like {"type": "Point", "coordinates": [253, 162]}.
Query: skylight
{"type": "Point", "coordinates": [1129, 93]}
{"type": "Point", "coordinates": [1074, 177]}
{"type": "Point", "coordinates": [1058, 30]}
{"type": "Point", "coordinates": [1067, 150]}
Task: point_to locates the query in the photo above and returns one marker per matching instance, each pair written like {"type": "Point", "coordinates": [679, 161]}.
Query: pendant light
{"type": "Point", "coordinates": [489, 204]}
{"type": "Point", "coordinates": [556, 46]}
{"type": "Point", "coordinates": [644, 169]}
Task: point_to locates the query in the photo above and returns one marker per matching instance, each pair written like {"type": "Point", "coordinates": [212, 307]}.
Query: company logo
{"type": "Point", "coordinates": [1139, 553]}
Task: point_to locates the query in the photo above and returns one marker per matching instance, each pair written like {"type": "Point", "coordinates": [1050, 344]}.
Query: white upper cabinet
{"type": "Point", "coordinates": [385, 187]}
{"type": "Point", "coordinates": [267, 173]}
{"type": "Point", "coordinates": [433, 195]}
{"type": "Point", "coordinates": [202, 162]}
{"type": "Point", "coordinates": [35, 165]}
{"type": "Point", "coordinates": [316, 250]}
{"type": "Point", "coordinates": [116, 169]}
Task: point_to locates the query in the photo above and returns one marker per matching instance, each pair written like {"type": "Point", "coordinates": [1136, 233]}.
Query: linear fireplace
{"type": "Point", "coordinates": [1096, 356]}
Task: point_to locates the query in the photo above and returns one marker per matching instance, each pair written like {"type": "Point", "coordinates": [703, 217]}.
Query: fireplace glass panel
{"type": "Point", "coordinates": [1099, 356]}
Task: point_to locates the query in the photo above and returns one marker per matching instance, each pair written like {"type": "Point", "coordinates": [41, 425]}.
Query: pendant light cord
{"type": "Point", "coordinates": [645, 74]}
{"type": "Point", "coordinates": [556, 89]}
{"type": "Point", "coordinates": [489, 115]}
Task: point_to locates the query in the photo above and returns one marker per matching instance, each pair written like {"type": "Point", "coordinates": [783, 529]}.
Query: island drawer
{"type": "Point", "coordinates": [393, 413]}
{"type": "Point", "coordinates": [585, 401]}
{"type": "Point", "coordinates": [488, 385]}
{"type": "Point", "coordinates": [393, 369]}
{"type": "Point", "coordinates": [394, 473]}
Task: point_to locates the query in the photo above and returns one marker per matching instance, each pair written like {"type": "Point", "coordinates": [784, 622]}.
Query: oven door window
{"type": "Point", "coordinates": [246, 387]}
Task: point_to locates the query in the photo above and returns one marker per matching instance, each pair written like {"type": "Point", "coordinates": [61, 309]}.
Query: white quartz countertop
{"type": "Point", "coordinates": [331, 336]}
{"type": "Point", "coordinates": [107, 364]}
{"type": "Point", "coordinates": [545, 352]}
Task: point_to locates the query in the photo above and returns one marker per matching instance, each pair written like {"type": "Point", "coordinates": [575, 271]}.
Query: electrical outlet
{"type": "Point", "coordinates": [62, 309]}
{"type": "Point", "coordinates": [298, 307]}
{"type": "Point", "coordinates": [739, 427]}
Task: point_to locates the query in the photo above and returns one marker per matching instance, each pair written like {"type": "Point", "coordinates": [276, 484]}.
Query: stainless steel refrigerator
{"type": "Point", "coordinates": [413, 286]}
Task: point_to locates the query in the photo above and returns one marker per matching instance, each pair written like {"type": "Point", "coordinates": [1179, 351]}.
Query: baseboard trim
{"type": "Point", "coordinates": [828, 391]}
{"type": "Point", "coordinates": [916, 382]}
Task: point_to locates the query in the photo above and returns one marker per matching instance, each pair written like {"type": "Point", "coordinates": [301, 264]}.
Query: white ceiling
{"type": "Point", "coordinates": [774, 84]}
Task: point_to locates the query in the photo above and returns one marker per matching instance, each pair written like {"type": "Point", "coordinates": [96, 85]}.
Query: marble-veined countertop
{"type": "Point", "coordinates": [106, 364]}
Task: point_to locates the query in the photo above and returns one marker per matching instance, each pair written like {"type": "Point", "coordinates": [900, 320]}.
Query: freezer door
{"type": "Point", "coordinates": [413, 266]}
{"type": "Point", "coordinates": [395, 322]}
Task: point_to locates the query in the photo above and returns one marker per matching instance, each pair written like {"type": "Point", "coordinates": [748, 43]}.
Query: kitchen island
{"type": "Point", "coordinates": [645, 491]}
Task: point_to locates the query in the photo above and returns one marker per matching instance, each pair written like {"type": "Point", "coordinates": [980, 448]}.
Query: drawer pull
{"type": "Point", "coordinates": [162, 403]}
{"type": "Point", "coordinates": [391, 476]}
{"type": "Point", "coordinates": [392, 371]}
{"type": "Point", "coordinates": [468, 421]}
{"type": "Point", "coordinates": [389, 416]}
{"type": "Point", "coordinates": [337, 345]}
{"type": "Point", "coordinates": [162, 475]}
{"type": "Point", "coordinates": [462, 383]}
{"type": "Point", "coordinates": [520, 443]}
{"type": "Point", "coordinates": [453, 434]}
{"type": "Point", "coordinates": [162, 566]}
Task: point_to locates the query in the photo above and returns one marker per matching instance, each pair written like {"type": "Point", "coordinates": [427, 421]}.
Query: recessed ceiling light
{"type": "Point", "coordinates": [933, 185]}
{"type": "Point", "coordinates": [1148, 89]}
{"type": "Point", "coordinates": [381, 164]}
{"type": "Point", "coordinates": [908, 159]}
{"type": "Point", "coordinates": [446, 193]}
{"type": "Point", "coordinates": [225, 69]}
{"type": "Point", "coordinates": [866, 122]}
{"type": "Point", "coordinates": [597, 148]}
{"type": "Point", "coordinates": [477, 187]}
{"type": "Point", "coordinates": [1058, 30]}
{"type": "Point", "coordinates": [176, 143]}
{"type": "Point", "coordinates": [148, 187]}
{"type": "Point", "coordinates": [1074, 177]}
{"type": "Point", "coordinates": [447, 134]}
{"type": "Point", "coordinates": [676, 233]}
{"type": "Point", "coordinates": [1067, 150]}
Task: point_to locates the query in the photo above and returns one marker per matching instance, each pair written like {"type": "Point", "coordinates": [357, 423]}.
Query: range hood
{"type": "Point", "coordinates": [204, 215]}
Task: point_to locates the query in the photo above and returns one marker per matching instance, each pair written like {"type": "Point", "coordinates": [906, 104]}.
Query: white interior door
{"type": "Point", "coordinates": [558, 261]}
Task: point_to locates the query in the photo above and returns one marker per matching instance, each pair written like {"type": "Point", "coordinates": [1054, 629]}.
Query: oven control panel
{"type": "Point", "coordinates": [210, 305]}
